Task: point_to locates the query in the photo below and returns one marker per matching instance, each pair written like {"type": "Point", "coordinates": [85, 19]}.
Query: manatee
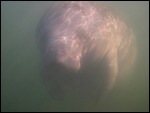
{"type": "Point", "coordinates": [84, 45]}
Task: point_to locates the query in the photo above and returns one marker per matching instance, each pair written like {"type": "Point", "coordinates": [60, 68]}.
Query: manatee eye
{"type": "Point", "coordinates": [51, 53]}
{"type": "Point", "coordinates": [61, 52]}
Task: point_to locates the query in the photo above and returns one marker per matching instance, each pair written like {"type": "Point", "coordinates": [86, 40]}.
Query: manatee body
{"type": "Point", "coordinates": [84, 45]}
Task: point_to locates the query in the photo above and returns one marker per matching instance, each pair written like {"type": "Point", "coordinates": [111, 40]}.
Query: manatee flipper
{"type": "Point", "coordinates": [112, 60]}
{"type": "Point", "coordinates": [56, 90]}
{"type": "Point", "coordinates": [53, 86]}
{"type": "Point", "coordinates": [112, 67]}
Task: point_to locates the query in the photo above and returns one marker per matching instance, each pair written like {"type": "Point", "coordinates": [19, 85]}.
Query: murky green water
{"type": "Point", "coordinates": [21, 84]}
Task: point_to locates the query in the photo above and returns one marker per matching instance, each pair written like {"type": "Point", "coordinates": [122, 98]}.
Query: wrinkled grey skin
{"type": "Point", "coordinates": [84, 46]}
